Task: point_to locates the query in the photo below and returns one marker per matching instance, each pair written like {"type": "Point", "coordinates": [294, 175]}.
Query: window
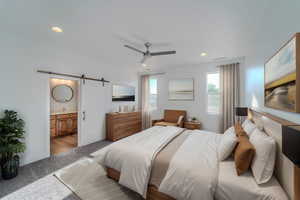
{"type": "Point", "coordinates": [213, 93]}
{"type": "Point", "coordinates": [153, 93]}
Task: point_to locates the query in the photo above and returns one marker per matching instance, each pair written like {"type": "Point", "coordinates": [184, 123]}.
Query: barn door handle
{"type": "Point", "coordinates": [83, 115]}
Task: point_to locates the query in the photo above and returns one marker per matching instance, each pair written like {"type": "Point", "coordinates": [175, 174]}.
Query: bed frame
{"type": "Point", "coordinates": [152, 192]}
{"type": "Point", "coordinates": [287, 174]}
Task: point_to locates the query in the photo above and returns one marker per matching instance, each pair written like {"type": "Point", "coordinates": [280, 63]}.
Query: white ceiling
{"type": "Point", "coordinates": [100, 28]}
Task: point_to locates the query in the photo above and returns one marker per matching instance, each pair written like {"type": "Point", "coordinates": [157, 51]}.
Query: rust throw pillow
{"type": "Point", "coordinates": [239, 131]}
{"type": "Point", "coordinates": [243, 155]}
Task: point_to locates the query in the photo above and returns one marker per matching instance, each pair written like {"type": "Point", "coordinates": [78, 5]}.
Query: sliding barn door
{"type": "Point", "coordinates": [94, 104]}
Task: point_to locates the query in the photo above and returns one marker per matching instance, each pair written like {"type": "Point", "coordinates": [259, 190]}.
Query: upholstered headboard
{"type": "Point", "coordinates": [284, 168]}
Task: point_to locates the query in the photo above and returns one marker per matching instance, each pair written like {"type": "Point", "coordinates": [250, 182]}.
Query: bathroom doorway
{"type": "Point", "coordinates": [64, 106]}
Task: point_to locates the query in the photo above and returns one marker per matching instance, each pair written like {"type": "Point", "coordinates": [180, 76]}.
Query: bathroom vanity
{"type": "Point", "coordinates": [62, 124]}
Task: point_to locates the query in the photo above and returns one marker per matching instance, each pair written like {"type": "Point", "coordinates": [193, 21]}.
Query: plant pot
{"type": "Point", "coordinates": [10, 168]}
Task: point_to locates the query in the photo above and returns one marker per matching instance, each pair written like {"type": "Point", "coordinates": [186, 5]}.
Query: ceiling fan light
{"type": "Point", "coordinates": [56, 29]}
{"type": "Point", "coordinates": [144, 59]}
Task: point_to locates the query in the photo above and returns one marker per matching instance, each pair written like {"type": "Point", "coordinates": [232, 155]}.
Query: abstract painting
{"type": "Point", "coordinates": [181, 89]}
{"type": "Point", "coordinates": [280, 78]}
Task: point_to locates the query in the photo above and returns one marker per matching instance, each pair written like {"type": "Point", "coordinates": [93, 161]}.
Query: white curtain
{"type": "Point", "coordinates": [146, 118]}
{"type": "Point", "coordinates": [230, 93]}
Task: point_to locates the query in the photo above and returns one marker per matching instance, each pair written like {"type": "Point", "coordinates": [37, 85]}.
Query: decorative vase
{"type": "Point", "coordinates": [133, 108]}
{"type": "Point", "coordinates": [125, 108]}
{"type": "Point", "coordinates": [10, 168]}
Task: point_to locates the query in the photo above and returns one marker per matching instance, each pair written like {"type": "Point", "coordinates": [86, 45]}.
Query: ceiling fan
{"type": "Point", "coordinates": [147, 54]}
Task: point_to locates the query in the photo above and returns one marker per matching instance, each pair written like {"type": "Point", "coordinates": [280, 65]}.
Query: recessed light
{"type": "Point", "coordinates": [144, 65]}
{"type": "Point", "coordinates": [203, 54]}
{"type": "Point", "coordinates": [56, 29]}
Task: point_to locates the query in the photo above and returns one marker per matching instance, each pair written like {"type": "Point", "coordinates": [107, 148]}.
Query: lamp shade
{"type": "Point", "coordinates": [291, 143]}
{"type": "Point", "coordinates": [241, 111]}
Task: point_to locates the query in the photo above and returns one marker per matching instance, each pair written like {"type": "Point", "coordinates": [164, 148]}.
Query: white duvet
{"type": "Point", "coordinates": [193, 170]}
{"type": "Point", "coordinates": [133, 156]}
{"type": "Point", "coordinates": [233, 187]}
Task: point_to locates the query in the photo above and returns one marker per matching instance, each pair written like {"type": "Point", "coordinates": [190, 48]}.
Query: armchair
{"type": "Point", "coordinates": [171, 118]}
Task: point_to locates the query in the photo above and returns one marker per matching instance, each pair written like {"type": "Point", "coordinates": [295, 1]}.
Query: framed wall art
{"type": "Point", "coordinates": [181, 90]}
{"type": "Point", "coordinates": [282, 77]}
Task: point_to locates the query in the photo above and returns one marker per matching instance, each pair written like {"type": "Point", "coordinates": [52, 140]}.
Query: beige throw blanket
{"type": "Point", "coordinates": [134, 155]}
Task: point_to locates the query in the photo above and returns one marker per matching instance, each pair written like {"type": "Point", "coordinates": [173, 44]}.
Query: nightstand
{"type": "Point", "coordinates": [192, 125]}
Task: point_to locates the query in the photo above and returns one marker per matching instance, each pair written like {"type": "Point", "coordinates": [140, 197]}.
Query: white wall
{"type": "Point", "coordinates": [196, 108]}
{"type": "Point", "coordinates": [27, 92]}
{"type": "Point", "coordinates": [70, 106]}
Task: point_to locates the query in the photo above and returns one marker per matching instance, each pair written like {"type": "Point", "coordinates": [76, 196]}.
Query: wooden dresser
{"type": "Point", "coordinates": [63, 124]}
{"type": "Point", "coordinates": [120, 125]}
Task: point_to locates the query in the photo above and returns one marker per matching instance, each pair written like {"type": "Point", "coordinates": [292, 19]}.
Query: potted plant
{"type": "Point", "coordinates": [194, 119]}
{"type": "Point", "coordinates": [11, 136]}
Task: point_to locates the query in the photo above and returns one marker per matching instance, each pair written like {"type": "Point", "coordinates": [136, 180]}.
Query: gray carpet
{"type": "Point", "coordinates": [41, 170]}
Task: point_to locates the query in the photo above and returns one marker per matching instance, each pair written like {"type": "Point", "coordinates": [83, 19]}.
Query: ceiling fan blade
{"type": "Point", "coordinates": [128, 41]}
{"type": "Point", "coordinates": [161, 53]}
{"type": "Point", "coordinates": [134, 49]}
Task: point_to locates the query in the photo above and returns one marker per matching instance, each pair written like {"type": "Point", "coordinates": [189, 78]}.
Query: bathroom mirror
{"type": "Point", "coordinates": [62, 93]}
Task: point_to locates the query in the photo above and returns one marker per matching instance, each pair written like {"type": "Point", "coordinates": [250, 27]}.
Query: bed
{"type": "Point", "coordinates": [231, 186]}
{"type": "Point", "coordinates": [174, 160]}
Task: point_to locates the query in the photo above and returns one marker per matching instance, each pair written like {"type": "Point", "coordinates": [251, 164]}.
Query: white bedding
{"type": "Point", "coordinates": [233, 187]}
{"type": "Point", "coordinates": [193, 170]}
{"type": "Point", "coordinates": [139, 151]}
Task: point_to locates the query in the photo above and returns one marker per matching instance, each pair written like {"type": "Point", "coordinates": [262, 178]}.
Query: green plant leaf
{"type": "Point", "coordinates": [11, 134]}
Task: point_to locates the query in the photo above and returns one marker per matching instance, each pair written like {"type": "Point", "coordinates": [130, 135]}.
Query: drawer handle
{"type": "Point", "coordinates": [83, 115]}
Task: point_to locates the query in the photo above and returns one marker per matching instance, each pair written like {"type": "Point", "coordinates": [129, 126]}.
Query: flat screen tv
{"type": "Point", "coordinates": [123, 93]}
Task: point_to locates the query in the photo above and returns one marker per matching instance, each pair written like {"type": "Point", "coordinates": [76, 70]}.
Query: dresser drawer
{"type": "Point", "coordinates": [62, 116]}
{"type": "Point", "coordinates": [126, 124]}
{"type": "Point", "coordinates": [126, 119]}
{"type": "Point", "coordinates": [127, 130]}
{"type": "Point", "coordinates": [66, 116]}
{"type": "Point", "coordinates": [125, 133]}
{"type": "Point", "coordinates": [192, 126]}
{"type": "Point", "coordinates": [73, 115]}
{"type": "Point", "coordinates": [125, 115]}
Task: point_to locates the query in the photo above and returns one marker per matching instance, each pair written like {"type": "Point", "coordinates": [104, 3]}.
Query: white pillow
{"type": "Point", "coordinates": [259, 123]}
{"type": "Point", "coordinates": [227, 144]}
{"type": "Point", "coordinates": [248, 126]}
{"type": "Point", "coordinates": [265, 154]}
